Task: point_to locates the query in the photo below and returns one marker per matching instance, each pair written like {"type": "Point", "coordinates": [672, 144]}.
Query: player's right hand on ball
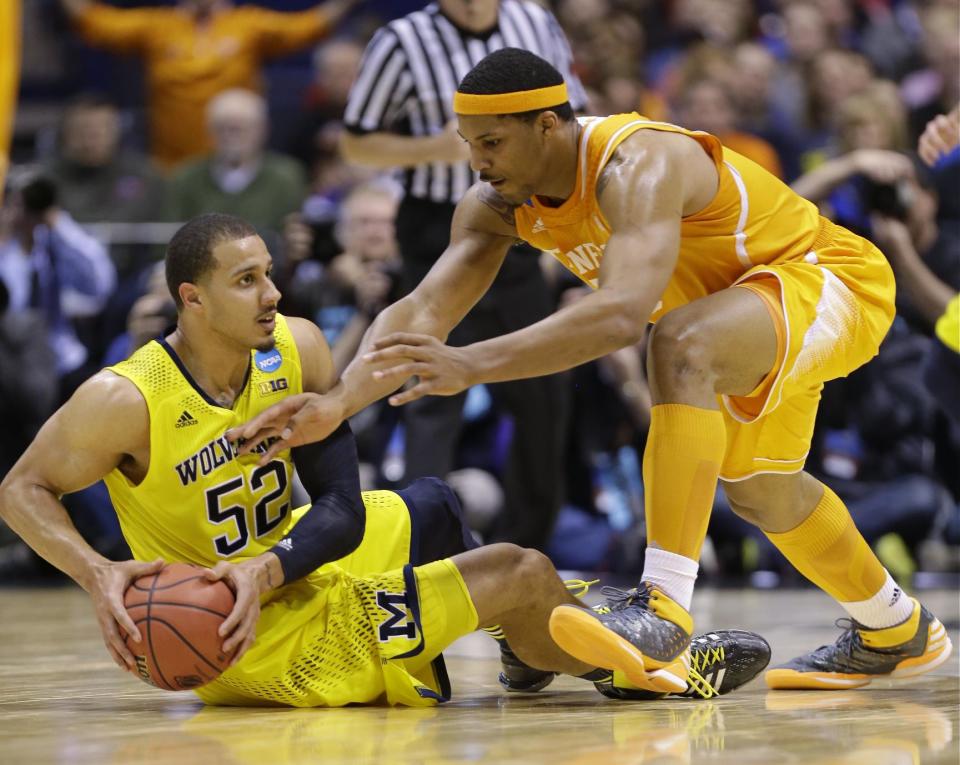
{"type": "Point", "coordinates": [107, 587]}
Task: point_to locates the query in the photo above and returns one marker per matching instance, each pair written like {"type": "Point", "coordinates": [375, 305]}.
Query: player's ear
{"type": "Point", "coordinates": [189, 295]}
{"type": "Point", "coordinates": [547, 122]}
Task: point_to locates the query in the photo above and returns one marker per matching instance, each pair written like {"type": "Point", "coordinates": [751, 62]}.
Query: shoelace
{"type": "Point", "coordinates": [580, 587]}
{"type": "Point", "coordinates": [618, 598]}
{"type": "Point", "coordinates": [702, 659]}
{"type": "Point", "coordinates": [848, 641]}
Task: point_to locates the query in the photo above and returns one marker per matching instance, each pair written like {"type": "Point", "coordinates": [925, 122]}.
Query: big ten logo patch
{"type": "Point", "coordinates": [397, 624]}
{"type": "Point", "coordinates": [270, 387]}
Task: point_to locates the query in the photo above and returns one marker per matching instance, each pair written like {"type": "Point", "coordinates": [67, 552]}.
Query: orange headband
{"type": "Point", "coordinates": [510, 103]}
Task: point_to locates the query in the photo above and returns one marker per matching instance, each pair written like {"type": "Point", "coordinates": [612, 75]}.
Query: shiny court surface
{"type": "Point", "coordinates": [63, 701]}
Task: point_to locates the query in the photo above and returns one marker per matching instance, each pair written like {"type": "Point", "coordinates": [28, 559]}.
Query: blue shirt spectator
{"type": "Point", "coordinates": [49, 263]}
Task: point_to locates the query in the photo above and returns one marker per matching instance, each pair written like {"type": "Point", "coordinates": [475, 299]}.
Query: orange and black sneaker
{"type": "Point", "coordinates": [641, 633]}
{"type": "Point", "coordinates": [862, 655]}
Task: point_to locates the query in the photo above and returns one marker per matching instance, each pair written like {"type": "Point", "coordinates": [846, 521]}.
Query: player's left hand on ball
{"type": "Point", "coordinates": [239, 629]}
{"type": "Point", "coordinates": [441, 370]}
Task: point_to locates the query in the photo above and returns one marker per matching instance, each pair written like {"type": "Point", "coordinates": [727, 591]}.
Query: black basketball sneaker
{"type": "Point", "coordinates": [720, 662]}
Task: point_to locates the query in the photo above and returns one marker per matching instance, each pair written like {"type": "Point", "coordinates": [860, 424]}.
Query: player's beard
{"type": "Point", "coordinates": [267, 344]}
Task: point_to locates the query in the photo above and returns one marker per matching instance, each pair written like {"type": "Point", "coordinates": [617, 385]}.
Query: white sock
{"type": "Point", "coordinates": [890, 606]}
{"type": "Point", "coordinates": [673, 574]}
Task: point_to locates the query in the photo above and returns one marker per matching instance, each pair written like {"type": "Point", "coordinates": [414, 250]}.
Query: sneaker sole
{"type": "Point", "coordinates": [532, 688]}
{"type": "Point", "coordinates": [938, 652]}
{"type": "Point", "coordinates": [583, 637]}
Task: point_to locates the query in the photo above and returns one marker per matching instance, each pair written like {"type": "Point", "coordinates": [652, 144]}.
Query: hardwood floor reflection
{"type": "Point", "coordinates": [62, 700]}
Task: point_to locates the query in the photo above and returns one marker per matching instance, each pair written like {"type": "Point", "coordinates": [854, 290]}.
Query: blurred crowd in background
{"type": "Point", "coordinates": [829, 95]}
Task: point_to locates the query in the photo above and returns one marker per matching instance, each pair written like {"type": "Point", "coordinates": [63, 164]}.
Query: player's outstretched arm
{"type": "Point", "coordinates": [79, 445]}
{"type": "Point", "coordinates": [481, 233]}
{"type": "Point", "coordinates": [641, 193]}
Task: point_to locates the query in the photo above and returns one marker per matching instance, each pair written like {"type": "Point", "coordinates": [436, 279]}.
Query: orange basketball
{"type": "Point", "coordinates": [178, 613]}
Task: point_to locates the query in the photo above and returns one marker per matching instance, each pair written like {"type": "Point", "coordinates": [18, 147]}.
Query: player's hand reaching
{"type": "Point", "coordinates": [107, 586]}
{"type": "Point", "coordinates": [442, 370]}
{"type": "Point", "coordinates": [297, 420]}
{"type": "Point", "coordinates": [248, 580]}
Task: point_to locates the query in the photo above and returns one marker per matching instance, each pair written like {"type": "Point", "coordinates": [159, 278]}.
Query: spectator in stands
{"type": "Point", "coordinates": [151, 314]}
{"type": "Point", "coordinates": [935, 88]}
{"type": "Point", "coordinates": [49, 263]}
{"type": "Point", "coordinates": [239, 176]}
{"type": "Point", "coordinates": [196, 50]}
{"type": "Point", "coordinates": [757, 113]}
{"type": "Point", "coordinates": [708, 105]}
{"type": "Point", "coordinates": [871, 168]}
{"type": "Point", "coordinates": [830, 80]}
{"type": "Point", "coordinates": [335, 67]}
{"type": "Point", "coordinates": [97, 180]}
{"type": "Point", "coordinates": [28, 397]}
{"type": "Point", "coordinates": [316, 140]}
{"type": "Point", "coordinates": [361, 281]}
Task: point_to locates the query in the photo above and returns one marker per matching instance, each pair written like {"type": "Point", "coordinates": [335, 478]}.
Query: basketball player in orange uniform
{"type": "Point", "coordinates": [757, 301]}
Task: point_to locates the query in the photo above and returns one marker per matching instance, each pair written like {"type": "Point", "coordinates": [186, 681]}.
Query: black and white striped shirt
{"type": "Point", "coordinates": [411, 69]}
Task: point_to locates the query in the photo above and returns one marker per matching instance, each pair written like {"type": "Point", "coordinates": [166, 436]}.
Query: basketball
{"type": "Point", "coordinates": [178, 612]}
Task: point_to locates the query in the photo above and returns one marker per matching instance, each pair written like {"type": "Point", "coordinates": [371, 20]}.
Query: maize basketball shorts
{"type": "Point", "coordinates": [831, 308]}
{"type": "Point", "coordinates": [333, 639]}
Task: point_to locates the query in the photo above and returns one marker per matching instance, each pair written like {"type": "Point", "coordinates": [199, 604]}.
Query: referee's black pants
{"type": "Point", "coordinates": [539, 406]}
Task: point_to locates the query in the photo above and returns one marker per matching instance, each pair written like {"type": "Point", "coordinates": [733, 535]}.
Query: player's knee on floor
{"type": "Point", "coordinates": [439, 527]}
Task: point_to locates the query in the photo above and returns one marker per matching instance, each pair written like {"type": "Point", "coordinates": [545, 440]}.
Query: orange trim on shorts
{"type": "Point", "coordinates": [767, 288]}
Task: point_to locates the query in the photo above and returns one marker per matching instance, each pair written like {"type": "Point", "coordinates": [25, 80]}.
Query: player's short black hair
{"type": "Point", "coordinates": [510, 70]}
{"type": "Point", "coordinates": [190, 252]}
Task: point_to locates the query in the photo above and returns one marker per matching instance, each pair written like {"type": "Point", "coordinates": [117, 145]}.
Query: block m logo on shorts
{"type": "Point", "coordinates": [397, 624]}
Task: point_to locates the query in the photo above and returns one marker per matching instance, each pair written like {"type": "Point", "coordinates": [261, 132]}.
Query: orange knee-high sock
{"type": "Point", "coordinates": [681, 465]}
{"type": "Point", "coordinates": [828, 550]}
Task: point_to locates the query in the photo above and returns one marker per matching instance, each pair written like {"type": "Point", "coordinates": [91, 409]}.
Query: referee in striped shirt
{"type": "Point", "coordinates": [400, 115]}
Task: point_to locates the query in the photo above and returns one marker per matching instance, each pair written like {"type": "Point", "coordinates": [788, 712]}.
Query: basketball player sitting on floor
{"type": "Point", "coordinates": [369, 627]}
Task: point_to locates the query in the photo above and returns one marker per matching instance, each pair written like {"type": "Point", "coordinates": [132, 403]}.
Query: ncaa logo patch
{"type": "Point", "coordinates": [268, 361]}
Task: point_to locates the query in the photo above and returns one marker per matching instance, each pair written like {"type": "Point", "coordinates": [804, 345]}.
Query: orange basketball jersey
{"type": "Point", "coordinates": [754, 219]}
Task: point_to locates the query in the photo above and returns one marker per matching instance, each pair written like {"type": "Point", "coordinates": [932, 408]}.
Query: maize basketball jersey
{"type": "Point", "coordinates": [199, 501]}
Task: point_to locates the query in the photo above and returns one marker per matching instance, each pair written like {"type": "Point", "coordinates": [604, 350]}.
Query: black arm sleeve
{"type": "Point", "coordinates": [334, 524]}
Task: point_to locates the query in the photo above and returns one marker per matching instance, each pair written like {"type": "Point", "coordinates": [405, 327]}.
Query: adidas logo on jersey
{"type": "Point", "coordinates": [538, 226]}
{"type": "Point", "coordinates": [286, 544]}
{"type": "Point", "coordinates": [185, 419]}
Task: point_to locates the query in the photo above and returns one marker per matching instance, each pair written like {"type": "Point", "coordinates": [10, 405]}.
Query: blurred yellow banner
{"type": "Point", "coordinates": [9, 77]}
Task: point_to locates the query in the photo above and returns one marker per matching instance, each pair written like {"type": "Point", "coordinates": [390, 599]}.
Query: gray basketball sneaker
{"type": "Point", "coordinates": [861, 655]}
{"type": "Point", "coordinates": [642, 633]}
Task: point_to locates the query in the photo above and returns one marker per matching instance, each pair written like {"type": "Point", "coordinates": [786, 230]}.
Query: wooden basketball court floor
{"type": "Point", "coordinates": [62, 700]}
